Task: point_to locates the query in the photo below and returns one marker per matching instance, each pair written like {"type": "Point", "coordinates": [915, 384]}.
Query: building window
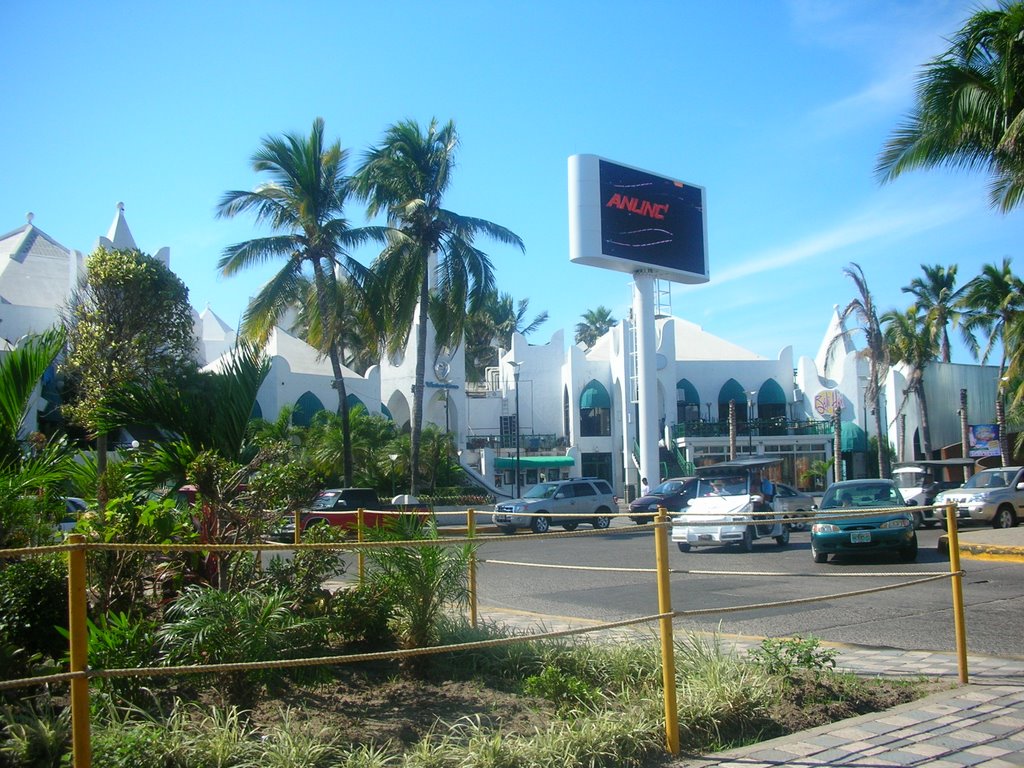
{"type": "Point", "coordinates": [687, 402]}
{"type": "Point", "coordinates": [595, 411]}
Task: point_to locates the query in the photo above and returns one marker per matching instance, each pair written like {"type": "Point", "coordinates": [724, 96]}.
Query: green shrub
{"type": "Point", "coordinates": [120, 641]}
{"type": "Point", "coordinates": [33, 603]}
{"type": "Point", "coordinates": [564, 691]}
{"type": "Point", "coordinates": [37, 735]}
{"type": "Point", "coordinates": [304, 574]}
{"type": "Point", "coordinates": [783, 656]}
{"type": "Point", "coordinates": [361, 615]}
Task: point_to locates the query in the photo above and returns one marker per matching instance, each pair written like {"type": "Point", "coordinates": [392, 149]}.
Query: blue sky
{"type": "Point", "coordinates": [779, 108]}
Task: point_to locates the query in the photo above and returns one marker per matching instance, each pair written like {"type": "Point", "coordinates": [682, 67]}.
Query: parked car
{"type": "Point", "coordinates": [919, 486]}
{"type": "Point", "coordinates": [551, 503]}
{"type": "Point", "coordinates": [728, 508]}
{"type": "Point", "coordinates": [790, 500]}
{"type": "Point", "coordinates": [340, 507]}
{"type": "Point", "coordinates": [672, 494]}
{"type": "Point", "coordinates": [992, 496]}
{"type": "Point", "coordinates": [890, 530]}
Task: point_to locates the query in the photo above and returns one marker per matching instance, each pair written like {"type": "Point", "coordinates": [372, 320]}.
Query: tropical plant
{"type": "Point", "coordinates": [862, 310]}
{"type": "Point", "coordinates": [304, 200]}
{"type": "Point", "coordinates": [969, 104]}
{"type": "Point", "coordinates": [129, 321]}
{"type": "Point", "coordinates": [816, 472]}
{"type": "Point", "coordinates": [913, 343]}
{"type": "Point", "coordinates": [423, 581]}
{"type": "Point", "coordinates": [595, 324]}
{"type": "Point", "coordinates": [406, 178]}
{"type": "Point", "coordinates": [491, 325]}
{"type": "Point", "coordinates": [937, 296]}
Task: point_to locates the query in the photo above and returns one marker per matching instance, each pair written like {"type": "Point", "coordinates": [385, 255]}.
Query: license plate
{"type": "Point", "coordinates": [704, 537]}
{"type": "Point", "coordinates": [501, 518]}
{"type": "Point", "coordinates": [860, 537]}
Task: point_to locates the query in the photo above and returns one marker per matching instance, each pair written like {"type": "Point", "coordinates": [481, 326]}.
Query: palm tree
{"type": "Point", "coordinates": [406, 178]}
{"type": "Point", "coordinates": [910, 341]}
{"type": "Point", "coordinates": [493, 324]}
{"type": "Point", "coordinates": [993, 303]}
{"type": "Point", "coordinates": [936, 294]}
{"type": "Point", "coordinates": [304, 200]}
{"type": "Point", "coordinates": [862, 310]}
{"type": "Point", "coordinates": [969, 106]}
{"type": "Point", "coordinates": [595, 324]}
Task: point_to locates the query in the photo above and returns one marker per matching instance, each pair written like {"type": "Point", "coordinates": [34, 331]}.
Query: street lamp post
{"type": "Point", "coordinates": [750, 422]}
{"type": "Point", "coordinates": [394, 458]}
{"type": "Point", "coordinates": [515, 377]}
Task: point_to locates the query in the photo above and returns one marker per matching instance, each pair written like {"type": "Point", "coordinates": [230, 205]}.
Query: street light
{"type": "Point", "coordinates": [394, 458]}
{"type": "Point", "coordinates": [515, 377]}
{"type": "Point", "coordinates": [750, 418]}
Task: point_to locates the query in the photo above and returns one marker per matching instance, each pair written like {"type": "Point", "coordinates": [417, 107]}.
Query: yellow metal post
{"type": "Point", "coordinates": [959, 625]}
{"type": "Point", "coordinates": [471, 533]}
{"type": "Point", "coordinates": [668, 655]}
{"type": "Point", "coordinates": [79, 647]}
{"type": "Point", "coordinates": [359, 537]}
{"type": "Point", "coordinates": [298, 526]}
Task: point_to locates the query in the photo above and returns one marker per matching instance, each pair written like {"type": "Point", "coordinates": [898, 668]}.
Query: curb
{"type": "Point", "coordinates": [980, 551]}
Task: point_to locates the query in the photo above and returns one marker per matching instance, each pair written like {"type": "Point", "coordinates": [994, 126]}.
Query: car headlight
{"type": "Point", "coordinates": [825, 528]}
{"type": "Point", "coordinates": [895, 524]}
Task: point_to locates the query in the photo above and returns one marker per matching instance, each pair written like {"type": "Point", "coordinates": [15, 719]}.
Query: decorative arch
{"type": "Point", "coordinates": [732, 390]}
{"type": "Point", "coordinates": [687, 402]}
{"type": "Point", "coordinates": [595, 410]}
{"type": "Point", "coordinates": [352, 401]}
{"type": "Point", "coordinates": [307, 406]}
{"type": "Point", "coordinates": [257, 411]}
{"type": "Point", "coordinates": [771, 408]}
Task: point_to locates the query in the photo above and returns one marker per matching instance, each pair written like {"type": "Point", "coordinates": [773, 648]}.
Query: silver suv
{"type": "Point", "coordinates": [994, 496]}
{"type": "Point", "coordinates": [548, 504]}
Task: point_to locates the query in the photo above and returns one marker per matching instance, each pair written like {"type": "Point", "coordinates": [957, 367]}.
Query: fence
{"type": "Point", "coordinates": [79, 673]}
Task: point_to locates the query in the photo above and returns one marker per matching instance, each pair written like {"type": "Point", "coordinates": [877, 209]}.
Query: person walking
{"type": "Point", "coordinates": [645, 488]}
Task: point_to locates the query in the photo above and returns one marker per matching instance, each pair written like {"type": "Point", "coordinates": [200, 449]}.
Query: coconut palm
{"type": "Point", "coordinates": [595, 324]}
{"type": "Point", "coordinates": [969, 105]}
{"type": "Point", "coordinates": [493, 324]}
{"type": "Point", "coordinates": [937, 296]}
{"type": "Point", "coordinates": [911, 342]}
{"type": "Point", "coordinates": [406, 178]}
{"type": "Point", "coordinates": [862, 310]}
{"type": "Point", "coordinates": [304, 200]}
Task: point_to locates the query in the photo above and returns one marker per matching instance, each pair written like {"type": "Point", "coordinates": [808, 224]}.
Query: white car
{"type": "Point", "coordinates": [728, 508]}
{"type": "Point", "coordinates": [992, 496]}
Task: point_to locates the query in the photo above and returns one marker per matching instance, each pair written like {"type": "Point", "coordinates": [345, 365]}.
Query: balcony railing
{"type": "Point", "coordinates": [527, 442]}
{"type": "Point", "coordinates": [757, 427]}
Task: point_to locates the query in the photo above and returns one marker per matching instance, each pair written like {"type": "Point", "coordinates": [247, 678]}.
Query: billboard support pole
{"type": "Point", "coordinates": [647, 429]}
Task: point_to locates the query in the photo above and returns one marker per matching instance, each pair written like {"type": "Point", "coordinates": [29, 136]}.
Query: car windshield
{"type": "Point", "coordinates": [995, 478]}
{"type": "Point", "coordinates": [541, 491]}
{"type": "Point", "coordinates": [669, 487]}
{"type": "Point", "coordinates": [725, 485]}
{"type": "Point", "coordinates": [862, 496]}
{"type": "Point", "coordinates": [325, 500]}
{"type": "Point", "coordinates": [914, 479]}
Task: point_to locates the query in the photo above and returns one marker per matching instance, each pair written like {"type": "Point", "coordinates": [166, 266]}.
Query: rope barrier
{"type": "Point", "coordinates": [806, 600]}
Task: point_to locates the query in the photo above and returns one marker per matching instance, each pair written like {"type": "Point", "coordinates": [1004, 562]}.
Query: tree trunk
{"type": "Point", "coordinates": [417, 395]}
{"type": "Point", "coordinates": [922, 412]}
{"type": "Point", "coordinates": [732, 430]}
{"type": "Point", "coordinates": [965, 448]}
{"type": "Point", "coordinates": [323, 285]}
{"type": "Point", "coordinates": [101, 475]}
{"type": "Point", "coordinates": [837, 445]}
{"type": "Point", "coordinates": [884, 470]}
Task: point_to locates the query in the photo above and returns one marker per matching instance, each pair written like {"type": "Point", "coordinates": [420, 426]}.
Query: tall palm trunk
{"type": "Point", "coordinates": [417, 396]}
{"type": "Point", "coordinates": [922, 412]}
{"type": "Point", "coordinates": [322, 288]}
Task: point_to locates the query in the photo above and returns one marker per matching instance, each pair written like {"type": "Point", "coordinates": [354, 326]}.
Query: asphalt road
{"type": "Point", "coordinates": [917, 617]}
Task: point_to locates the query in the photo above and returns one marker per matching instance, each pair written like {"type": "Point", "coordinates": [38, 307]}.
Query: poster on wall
{"type": "Point", "coordinates": [983, 440]}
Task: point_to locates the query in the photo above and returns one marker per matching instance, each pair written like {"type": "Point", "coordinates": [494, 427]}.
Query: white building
{"type": "Point", "coordinates": [576, 410]}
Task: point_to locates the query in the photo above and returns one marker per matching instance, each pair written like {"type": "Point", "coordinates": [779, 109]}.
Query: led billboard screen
{"type": "Point", "coordinates": [628, 219]}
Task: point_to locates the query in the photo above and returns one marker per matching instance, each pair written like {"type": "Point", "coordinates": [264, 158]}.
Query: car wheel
{"type": "Point", "coordinates": [918, 520]}
{"type": "Point", "coordinates": [1005, 517]}
{"type": "Point", "coordinates": [540, 524]}
{"type": "Point", "coordinates": [783, 540]}
{"type": "Point", "coordinates": [602, 522]}
{"type": "Point", "coordinates": [819, 557]}
{"type": "Point", "coordinates": [641, 520]}
{"type": "Point", "coordinates": [909, 554]}
{"type": "Point", "coordinates": [683, 546]}
{"type": "Point", "coordinates": [799, 526]}
{"type": "Point", "coordinates": [571, 526]}
{"type": "Point", "coordinates": [747, 542]}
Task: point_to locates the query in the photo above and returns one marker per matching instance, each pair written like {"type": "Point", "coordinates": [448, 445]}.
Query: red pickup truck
{"type": "Point", "coordinates": [339, 506]}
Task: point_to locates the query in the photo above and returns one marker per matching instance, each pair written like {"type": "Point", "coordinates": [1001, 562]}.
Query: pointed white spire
{"type": "Point", "coordinates": [120, 236]}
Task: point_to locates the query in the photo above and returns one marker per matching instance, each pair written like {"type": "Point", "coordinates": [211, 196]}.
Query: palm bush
{"type": "Point", "coordinates": [208, 626]}
{"type": "Point", "coordinates": [422, 581]}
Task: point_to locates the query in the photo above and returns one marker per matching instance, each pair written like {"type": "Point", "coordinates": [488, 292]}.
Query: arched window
{"type": "Point", "coordinates": [257, 412]}
{"type": "Point", "coordinates": [306, 407]}
{"type": "Point", "coordinates": [352, 401]}
{"type": "Point", "coordinates": [595, 411]}
{"type": "Point", "coordinates": [732, 390]}
{"type": "Point", "coordinates": [687, 402]}
{"type": "Point", "coordinates": [386, 412]}
{"type": "Point", "coordinates": [771, 408]}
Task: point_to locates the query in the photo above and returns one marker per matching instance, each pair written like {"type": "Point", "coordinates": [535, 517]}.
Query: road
{"type": "Point", "coordinates": [918, 617]}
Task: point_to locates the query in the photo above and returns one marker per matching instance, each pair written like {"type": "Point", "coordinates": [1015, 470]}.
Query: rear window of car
{"type": "Point", "coordinates": [583, 489]}
{"type": "Point", "coordinates": [603, 487]}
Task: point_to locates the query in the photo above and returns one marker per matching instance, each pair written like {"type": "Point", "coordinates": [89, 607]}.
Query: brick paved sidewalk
{"type": "Point", "coordinates": [979, 724]}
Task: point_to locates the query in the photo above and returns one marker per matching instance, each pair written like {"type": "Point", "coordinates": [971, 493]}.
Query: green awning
{"type": "Point", "coordinates": [534, 462]}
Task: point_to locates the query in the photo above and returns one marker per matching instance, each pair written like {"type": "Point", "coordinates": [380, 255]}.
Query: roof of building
{"type": "Point", "coordinates": [35, 270]}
